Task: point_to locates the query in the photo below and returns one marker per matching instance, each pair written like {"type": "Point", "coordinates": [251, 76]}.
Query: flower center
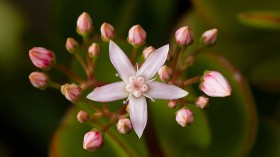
{"type": "Point", "coordinates": [136, 86]}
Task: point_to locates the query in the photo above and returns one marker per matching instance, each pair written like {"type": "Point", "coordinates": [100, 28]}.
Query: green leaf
{"type": "Point", "coordinates": [268, 140]}
{"type": "Point", "coordinates": [68, 140]}
{"type": "Point", "coordinates": [226, 128]}
{"type": "Point", "coordinates": [260, 19]}
{"type": "Point", "coordinates": [11, 29]}
{"type": "Point", "coordinates": [266, 74]}
{"type": "Point", "coordinates": [225, 14]}
{"type": "Point", "coordinates": [237, 51]}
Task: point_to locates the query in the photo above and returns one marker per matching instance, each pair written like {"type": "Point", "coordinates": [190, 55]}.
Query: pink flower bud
{"type": "Point", "coordinates": [83, 117]}
{"type": "Point", "coordinates": [209, 37]}
{"type": "Point", "coordinates": [93, 140]}
{"type": "Point", "coordinates": [184, 36]}
{"type": "Point", "coordinates": [164, 73]}
{"type": "Point", "coordinates": [215, 84]}
{"type": "Point", "coordinates": [42, 58]}
{"type": "Point", "coordinates": [107, 32]}
{"type": "Point", "coordinates": [184, 117]}
{"type": "Point", "coordinates": [148, 51]}
{"type": "Point", "coordinates": [171, 103]}
{"type": "Point", "coordinates": [39, 80]}
{"type": "Point", "coordinates": [71, 91]}
{"type": "Point", "coordinates": [124, 126]}
{"type": "Point", "coordinates": [84, 24]}
{"type": "Point", "coordinates": [93, 50]}
{"type": "Point", "coordinates": [136, 35]}
{"type": "Point", "coordinates": [202, 102]}
{"type": "Point", "coordinates": [71, 45]}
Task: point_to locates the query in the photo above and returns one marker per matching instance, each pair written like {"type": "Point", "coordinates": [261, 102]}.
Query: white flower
{"type": "Point", "coordinates": [137, 85]}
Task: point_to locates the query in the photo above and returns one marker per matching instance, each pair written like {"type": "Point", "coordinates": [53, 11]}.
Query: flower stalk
{"type": "Point", "coordinates": [68, 72]}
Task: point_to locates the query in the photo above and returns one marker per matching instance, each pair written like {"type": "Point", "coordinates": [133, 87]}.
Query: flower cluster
{"type": "Point", "coordinates": [138, 85]}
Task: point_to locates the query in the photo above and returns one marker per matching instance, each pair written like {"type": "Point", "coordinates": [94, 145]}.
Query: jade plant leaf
{"type": "Point", "coordinates": [268, 140]}
{"type": "Point", "coordinates": [237, 51]}
{"type": "Point", "coordinates": [260, 19]}
{"type": "Point", "coordinates": [225, 14]}
{"type": "Point", "coordinates": [226, 128]}
{"type": "Point", "coordinates": [68, 140]}
{"type": "Point", "coordinates": [266, 74]}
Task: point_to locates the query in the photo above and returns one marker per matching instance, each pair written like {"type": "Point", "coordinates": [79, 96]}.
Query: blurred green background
{"type": "Point", "coordinates": [244, 124]}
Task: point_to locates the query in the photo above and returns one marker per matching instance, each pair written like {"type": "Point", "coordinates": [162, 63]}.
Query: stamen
{"type": "Point", "coordinates": [137, 68]}
{"type": "Point", "coordinates": [117, 75]}
{"type": "Point", "coordinates": [152, 79]}
{"type": "Point", "coordinates": [153, 100]}
{"type": "Point", "coordinates": [125, 102]}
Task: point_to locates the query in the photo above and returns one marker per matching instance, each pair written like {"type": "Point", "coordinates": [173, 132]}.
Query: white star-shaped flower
{"type": "Point", "coordinates": [137, 85]}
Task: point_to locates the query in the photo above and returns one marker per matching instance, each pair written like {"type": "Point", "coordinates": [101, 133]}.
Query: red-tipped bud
{"type": "Point", "coordinates": [72, 92]}
{"type": "Point", "coordinates": [93, 140]}
{"type": "Point", "coordinates": [107, 32]}
{"type": "Point", "coordinates": [93, 50]}
{"type": "Point", "coordinates": [84, 24]}
{"type": "Point", "coordinates": [124, 126]}
{"type": "Point", "coordinates": [184, 117]}
{"type": "Point", "coordinates": [71, 45]}
{"type": "Point", "coordinates": [202, 102]}
{"type": "Point", "coordinates": [83, 117]}
{"type": "Point", "coordinates": [164, 73]}
{"type": "Point", "coordinates": [184, 36]}
{"type": "Point", "coordinates": [42, 58]}
{"type": "Point", "coordinates": [215, 84]}
{"type": "Point", "coordinates": [136, 35]}
{"type": "Point", "coordinates": [209, 37]}
{"type": "Point", "coordinates": [148, 51]}
{"type": "Point", "coordinates": [171, 104]}
{"type": "Point", "coordinates": [39, 80]}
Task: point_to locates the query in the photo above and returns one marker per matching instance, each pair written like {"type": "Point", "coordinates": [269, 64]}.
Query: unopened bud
{"type": "Point", "coordinates": [93, 140]}
{"type": "Point", "coordinates": [215, 84]}
{"type": "Point", "coordinates": [71, 45]}
{"type": "Point", "coordinates": [84, 24]}
{"type": "Point", "coordinates": [184, 117]}
{"type": "Point", "coordinates": [107, 32]}
{"type": "Point", "coordinates": [184, 36]}
{"type": "Point", "coordinates": [148, 51]}
{"type": "Point", "coordinates": [202, 102]}
{"type": "Point", "coordinates": [209, 37]}
{"type": "Point", "coordinates": [72, 92]}
{"type": "Point", "coordinates": [39, 80]}
{"type": "Point", "coordinates": [93, 50]}
{"type": "Point", "coordinates": [124, 126]}
{"type": "Point", "coordinates": [164, 73]}
{"type": "Point", "coordinates": [136, 35]}
{"type": "Point", "coordinates": [83, 117]}
{"type": "Point", "coordinates": [171, 104]}
{"type": "Point", "coordinates": [42, 58]}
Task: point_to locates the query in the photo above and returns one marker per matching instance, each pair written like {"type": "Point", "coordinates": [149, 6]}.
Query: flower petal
{"type": "Point", "coordinates": [154, 62]}
{"type": "Point", "coordinates": [120, 62]}
{"type": "Point", "coordinates": [138, 114]}
{"type": "Point", "coordinates": [165, 91]}
{"type": "Point", "coordinates": [215, 84]}
{"type": "Point", "coordinates": [110, 92]}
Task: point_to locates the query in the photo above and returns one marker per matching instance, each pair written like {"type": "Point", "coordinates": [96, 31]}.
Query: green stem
{"type": "Point", "coordinates": [91, 105]}
{"type": "Point", "coordinates": [192, 80]}
{"type": "Point", "coordinates": [69, 73]}
{"type": "Point", "coordinates": [89, 66]}
{"type": "Point", "coordinates": [175, 62]}
{"type": "Point", "coordinates": [80, 60]}
{"type": "Point", "coordinates": [107, 126]}
{"type": "Point", "coordinates": [54, 85]}
{"type": "Point", "coordinates": [133, 54]}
